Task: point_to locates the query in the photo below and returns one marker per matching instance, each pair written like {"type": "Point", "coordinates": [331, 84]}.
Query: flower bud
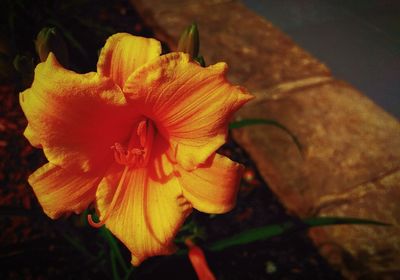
{"type": "Point", "coordinates": [199, 261]}
{"type": "Point", "coordinates": [200, 60]}
{"type": "Point", "coordinates": [189, 41]}
{"type": "Point", "coordinates": [50, 40]}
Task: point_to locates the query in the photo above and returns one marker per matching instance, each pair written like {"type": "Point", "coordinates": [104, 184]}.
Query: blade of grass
{"type": "Point", "coordinates": [329, 221]}
{"type": "Point", "coordinates": [114, 266]}
{"type": "Point", "coordinates": [127, 275]}
{"type": "Point", "coordinates": [114, 247]}
{"type": "Point", "coordinates": [263, 233]}
{"type": "Point", "coordinates": [248, 122]}
{"type": "Point", "coordinates": [107, 235]}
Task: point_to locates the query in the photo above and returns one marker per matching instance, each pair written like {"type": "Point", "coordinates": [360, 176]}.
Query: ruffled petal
{"type": "Point", "coordinates": [212, 188]}
{"type": "Point", "coordinates": [190, 105]}
{"type": "Point", "coordinates": [148, 212]}
{"type": "Point", "coordinates": [123, 53]}
{"type": "Point", "coordinates": [75, 118]}
{"type": "Point", "coordinates": [61, 191]}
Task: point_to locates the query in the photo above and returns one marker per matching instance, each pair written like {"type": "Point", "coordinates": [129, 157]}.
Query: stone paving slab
{"type": "Point", "coordinates": [350, 164]}
{"type": "Point", "coordinates": [347, 140]}
{"type": "Point", "coordinates": [374, 251]}
{"type": "Point", "coordinates": [227, 34]}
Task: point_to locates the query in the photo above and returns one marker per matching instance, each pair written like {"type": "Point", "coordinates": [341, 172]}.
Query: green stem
{"type": "Point", "coordinates": [114, 266]}
{"type": "Point", "coordinates": [114, 247]}
{"type": "Point", "coordinates": [127, 275]}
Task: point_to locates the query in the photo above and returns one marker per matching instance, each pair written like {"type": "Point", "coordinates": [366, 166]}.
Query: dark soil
{"type": "Point", "coordinates": [34, 247]}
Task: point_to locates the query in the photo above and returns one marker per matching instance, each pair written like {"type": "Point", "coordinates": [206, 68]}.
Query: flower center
{"type": "Point", "coordinates": [135, 155]}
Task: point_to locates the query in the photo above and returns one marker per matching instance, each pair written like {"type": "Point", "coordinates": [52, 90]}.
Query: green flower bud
{"type": "Point", "coordinates": [189, 41]}
{"type": "Point", "coordinates": [200, 60]}
{"type": "Point", "coordinates": [50, 40]}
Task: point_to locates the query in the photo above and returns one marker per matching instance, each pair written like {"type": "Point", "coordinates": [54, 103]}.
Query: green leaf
{"type": "Point", "coordinates": [114, 266]}
{"type": "Point", "coordinates": [112, 243]}
{"type": "Point", "coordinates": [330, 221]}
{"type": "Point", "coordinates": [114, 248]}
{"type": "Point", "coordinates": [248, 122]}
{"type": "Point", "coordinates": [129, 273]}
{"type": "Point", "coordinates": [263, 233]}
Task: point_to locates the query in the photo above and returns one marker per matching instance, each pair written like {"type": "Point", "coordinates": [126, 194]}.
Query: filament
{"type": "Point", "coordinates": [114, 200]}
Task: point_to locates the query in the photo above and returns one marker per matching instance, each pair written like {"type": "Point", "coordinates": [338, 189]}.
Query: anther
{"type": "Point", "coordinates": [136, 154]}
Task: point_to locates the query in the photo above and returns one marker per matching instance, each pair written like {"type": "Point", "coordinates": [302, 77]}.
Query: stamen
{"type": "Point", "coordinates": [136, 156]}
{"type": "Point", "coordinates": [126, 157]}
{"type": "Point", "coordinates": [149, 139]}
{"type": "Point", "coordinates": [112, 204]}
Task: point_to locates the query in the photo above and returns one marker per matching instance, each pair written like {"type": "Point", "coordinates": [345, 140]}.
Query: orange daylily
{"type": "Point", "coordinates": [138, 138]}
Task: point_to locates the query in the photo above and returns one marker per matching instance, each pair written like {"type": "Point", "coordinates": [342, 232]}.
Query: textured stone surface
{"type": "Point", "coordinates": [349, 167]}
{"type": "Point", "coordinates": [230, 33]}
{"type": "Point", "coordinates": [374, 251]}
{"type": "Point", "coordinates": [351, 148]}
{"type": "Point", "coordinates": [347, 140]}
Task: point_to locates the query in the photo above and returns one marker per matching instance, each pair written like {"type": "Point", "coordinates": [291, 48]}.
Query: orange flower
{"type": "Point", "coordinates": [138, 138]}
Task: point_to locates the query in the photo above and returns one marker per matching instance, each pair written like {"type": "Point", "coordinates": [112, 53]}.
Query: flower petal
{"type": "Point", "coordinates": [123, 53]}
{"type": "Point", "coordinates": [148, 212]}
{"type": "Point", "coordinates": [75, 118]}
{"type": "Point", "coordinates": [61, 191]}
{"type": "Point", "coordinates": [190, 105]}
{"type": "Point", "coordinates": [162, 167]}
{"type": "Point", "coordinates": [199, 262]}
{"type": "Point", "coordinates": [212, 187]}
